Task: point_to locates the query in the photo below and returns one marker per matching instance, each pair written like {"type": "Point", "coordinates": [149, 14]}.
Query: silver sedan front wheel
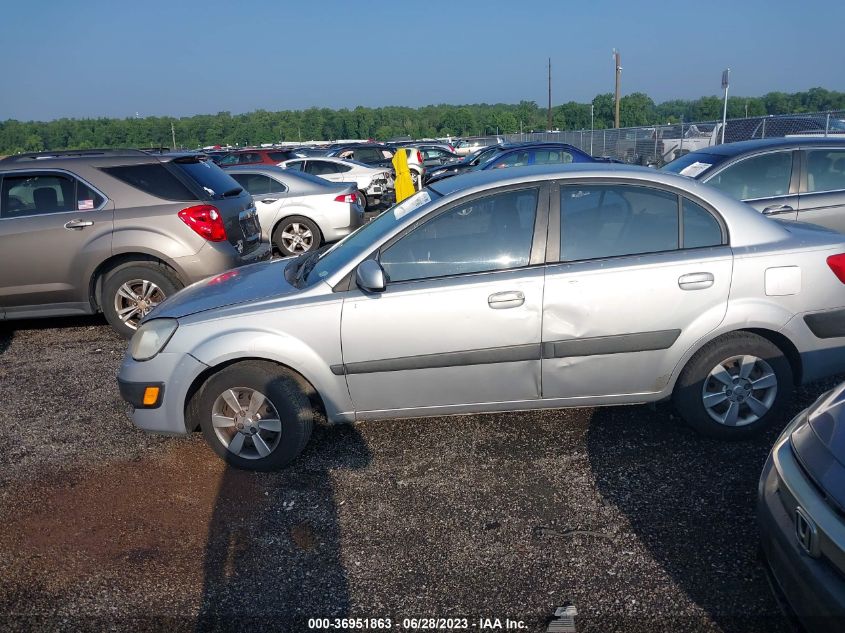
{"type": "Point", "coordinates": [246, 423]}
{"type": "Point", "coordinates": [740, 390]}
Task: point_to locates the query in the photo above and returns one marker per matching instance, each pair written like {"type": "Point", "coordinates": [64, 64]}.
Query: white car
{"type": "Point", "coordinates": [373, 183]}
{"type": "Point", "coordinates": [298, 212]}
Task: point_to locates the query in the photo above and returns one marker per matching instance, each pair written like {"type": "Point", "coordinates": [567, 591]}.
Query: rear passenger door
{"type": "Point", "coordinates": [641, 275]}
{"type": "Point", "coordinates": [822, 196]}
{"type": "Point", "coordinates": [767, 181]}
{"type": "Point", "coordinates": [54, 231]}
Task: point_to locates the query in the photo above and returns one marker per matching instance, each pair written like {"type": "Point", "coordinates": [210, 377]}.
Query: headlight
{"type": "Point", "coordinates": [151, 338]}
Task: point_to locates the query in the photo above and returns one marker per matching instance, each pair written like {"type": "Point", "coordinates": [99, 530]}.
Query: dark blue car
{"type": "Point", "coordinates": [530, 154]}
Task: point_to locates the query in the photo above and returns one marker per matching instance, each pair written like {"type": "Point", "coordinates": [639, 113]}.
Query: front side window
{"type": "Point", "coordinates": [296, 165]}
{"type": "Point", "coordinates": [258, 184]}
{"type": "Point", "coordinates": [228, 159]}
{"type": "Point", "coordinates": [825, 170]}
{"type": "Point", "coordinates": [39, 194]}
{"type": "Point", "coordinates": [490, 233]}
{"type": "Point", "coordinates": [515, 159]}
{"type": "Point", "coordinates": [599, 221]}
{"type": "Point", "coordinates": [762, 176]}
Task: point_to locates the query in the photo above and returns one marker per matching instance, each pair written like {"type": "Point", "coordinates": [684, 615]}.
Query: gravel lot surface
{"type": "Point", "coordinates": [622, 512]}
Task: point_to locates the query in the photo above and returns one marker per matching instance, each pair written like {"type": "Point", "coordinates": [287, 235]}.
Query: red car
{"type": "Point", "coordinates": [255, 157]}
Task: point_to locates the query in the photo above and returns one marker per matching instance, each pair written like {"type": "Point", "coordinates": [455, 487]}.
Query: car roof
{"type": "Point", "coordinates": [742, 147]}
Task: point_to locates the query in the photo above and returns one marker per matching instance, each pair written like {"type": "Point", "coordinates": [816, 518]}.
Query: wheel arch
{"type": "Point", "coordinates": [778, 339]}
{"type": "Point", "coordinates": [95, 284]}
{"type": "Point", "coordinates": [194, 388]}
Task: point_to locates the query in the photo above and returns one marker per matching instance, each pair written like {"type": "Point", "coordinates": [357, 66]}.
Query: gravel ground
{"type": "Point", "coordinates": [622, 512]}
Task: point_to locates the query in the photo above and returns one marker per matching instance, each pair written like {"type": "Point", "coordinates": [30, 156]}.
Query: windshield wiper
{"type": "Point", "coordinates": [307, 264]}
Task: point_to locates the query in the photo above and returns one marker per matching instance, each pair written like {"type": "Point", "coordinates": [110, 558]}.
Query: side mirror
{"type": "Point", "coordinates": [370, 276]}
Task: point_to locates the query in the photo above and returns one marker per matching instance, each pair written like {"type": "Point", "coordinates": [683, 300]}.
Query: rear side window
{"type": "Point", "coordinates": [825, 170]}
{"type": "Point", "coordinates": [615, 220]}
{"type": "Point", "coordinates": [700, 227]}
{"type": "Point", "coordinates": [320, 167]}
{"type": "Point", "coordinates": [41, 194]}
{"type": "Point", "coordinates": [152, 178]}
{"type": "Point", "coordinates": [762, 176]}
{"type": "Point", "coordinates": [259, 184]}
{"type": "Point", "coordinates": [279, 156]}
{"type": "Point", "coordinates": [600, 221]}
{"type": "Point", "coordinates": [551, 157]}
{"type": "Point", "coordinates": [213, 180]}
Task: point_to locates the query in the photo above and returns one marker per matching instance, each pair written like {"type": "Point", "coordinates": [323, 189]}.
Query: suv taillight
{"type": "Point", "coordinates": [205, 221]}
{"type": "Point", "coordinates": [837, 265]}
{"type": "Point", "coordinates": [347, 197]}
{"type": "Point", "coordinates": [419, 157]}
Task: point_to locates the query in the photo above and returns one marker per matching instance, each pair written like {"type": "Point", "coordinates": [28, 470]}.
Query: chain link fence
{"type": "Point", "coordinates": [657, 145]}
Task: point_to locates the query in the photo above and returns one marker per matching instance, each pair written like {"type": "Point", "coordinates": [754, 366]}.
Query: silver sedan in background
{"type": "Point", "coordinates": [526, 288]}
{"type": "Point", "coordinates": [299, 212]}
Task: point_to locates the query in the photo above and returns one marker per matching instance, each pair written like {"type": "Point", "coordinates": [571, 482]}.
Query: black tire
{"type": "Point", "coordinates": [688, 396]}
{"type": "Point", "coordinates": [282, 389]}
{"type": "Point", "coordinates": [161, 276]}
{"type": "Point", "coordinates": [286, 225]}
{"type": "Point", "coordinates": [363, 197]}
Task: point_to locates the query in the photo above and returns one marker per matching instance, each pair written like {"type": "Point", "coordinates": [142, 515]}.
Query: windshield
{"type": "Point", "coordinates": [693, 164]}
{"type": "Point", "coordinates": [361, 241]}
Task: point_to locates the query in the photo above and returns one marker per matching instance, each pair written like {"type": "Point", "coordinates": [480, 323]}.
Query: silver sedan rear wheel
{"type": "Point", "coordinates": [246, 423]}
{"type": "Point", "coordinates": [297, 237]}
{"type": "Point", "coordinates": [740, 390]}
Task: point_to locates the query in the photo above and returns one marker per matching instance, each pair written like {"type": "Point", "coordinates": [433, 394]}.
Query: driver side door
{"type": "Point", "coordinates": [459, 322]}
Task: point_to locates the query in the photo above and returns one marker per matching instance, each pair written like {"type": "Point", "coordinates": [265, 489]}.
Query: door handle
{"type": "Point", "coordinates": [78, 225]}
{"type": "Point", "coordinates": [778, 208]}
{"type": "Point", "coordinates": [509, 299]}
{"type": "Point", "coordinates": [696, 281]}
{"type": "Point", "coordinates": [268, 200]}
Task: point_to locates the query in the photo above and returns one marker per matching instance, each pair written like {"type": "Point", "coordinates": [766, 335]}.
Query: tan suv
{"type": "Point", "coordinates": [116, 231]}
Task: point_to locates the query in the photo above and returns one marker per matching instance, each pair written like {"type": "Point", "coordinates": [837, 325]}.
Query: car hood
{"type": "Point", "coordinates": [265, 280]}
{"type": "Point", "coordinates": [819, 444]}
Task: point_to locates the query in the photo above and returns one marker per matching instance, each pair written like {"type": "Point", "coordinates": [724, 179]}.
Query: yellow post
{"type": "Point", "coordinates": [403, 184]}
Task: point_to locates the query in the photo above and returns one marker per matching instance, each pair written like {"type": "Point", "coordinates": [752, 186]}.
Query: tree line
{"type": "Point", "coordinates": [263, 126]}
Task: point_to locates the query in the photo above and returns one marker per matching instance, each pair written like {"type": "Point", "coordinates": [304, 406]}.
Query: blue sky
{"type": "Point", "coordinates": [182, 57]}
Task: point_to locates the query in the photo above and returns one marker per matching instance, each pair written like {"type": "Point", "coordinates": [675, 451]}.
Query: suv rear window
{"type": "Point", "coordinates": [152, 178]}
{"type": "Point", "coordinates": [280, 156]}
{"type": "Point", "coordinates": [213, 180]}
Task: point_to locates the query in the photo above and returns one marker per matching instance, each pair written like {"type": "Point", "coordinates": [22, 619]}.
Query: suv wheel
{"type": "Point", "coordinates": [734, 387]}
{"type": "Point", "coordinates": [131, 291]}
{"type": "Point", "coordinates": [296, 235]}
{"type": "Point", "coordinates": [255, 415]}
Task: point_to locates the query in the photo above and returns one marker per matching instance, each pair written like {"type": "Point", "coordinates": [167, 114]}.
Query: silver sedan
{"type": "Point", "coordinates": [526, 288]}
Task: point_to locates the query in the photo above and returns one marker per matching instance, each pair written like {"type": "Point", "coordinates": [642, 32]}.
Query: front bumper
{"type": "Point", "coordinates": [813, 588]}
{"type": "Point", "coordinates": [174, 373]}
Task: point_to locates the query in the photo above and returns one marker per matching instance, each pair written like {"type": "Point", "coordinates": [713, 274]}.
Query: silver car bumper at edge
{"type": "Point", "coordinates": [176, 371]}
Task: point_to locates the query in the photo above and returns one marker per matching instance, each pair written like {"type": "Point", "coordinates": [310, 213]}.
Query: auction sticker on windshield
{"type": "Point", "coordinates": [694, 169]}
{"type": "Point", "coordinates": [414, 202]}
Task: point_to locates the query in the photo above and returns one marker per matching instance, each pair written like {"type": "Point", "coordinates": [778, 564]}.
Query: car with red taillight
{"type": "Point", "coordinates": [116, 231]}
{"type": "Point", "coordinates": [257, 156]}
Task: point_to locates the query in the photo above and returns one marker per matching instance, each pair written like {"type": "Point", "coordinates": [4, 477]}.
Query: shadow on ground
{"type": "Point", "coordinates": [690, 500]}
{"type": "Point", "coordinates": [273, 556]}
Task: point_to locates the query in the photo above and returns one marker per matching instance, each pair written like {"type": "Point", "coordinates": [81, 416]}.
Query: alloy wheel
{"type": "Point", "coordinates": [297, 238]}
{"type": "Point", "coordinates": [740, 390]}
{"type": "Point", "coordinates": [246, 422]}
{"type": "Point", "coordinates": [135, 299]}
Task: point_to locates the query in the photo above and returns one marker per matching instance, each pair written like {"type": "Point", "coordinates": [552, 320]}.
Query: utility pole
{"type": "Point", "coordinates": [549, 127]}
{"type": "Point", "coordinates": [618, 63]}
{"type": "Point", "coordinates": [173, 135]}
{"type": "Point", "coordinates": [726, 80]}
{"type": "Point", "coordinates": [591, 129]}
